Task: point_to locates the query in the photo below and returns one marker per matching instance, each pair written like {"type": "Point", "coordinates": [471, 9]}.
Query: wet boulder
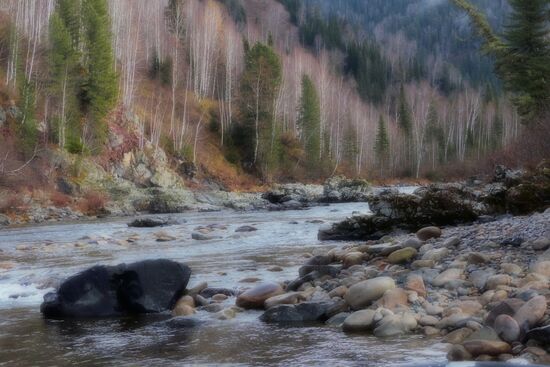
{"type": "Point", "coordinates": [148, 222]}
{"type": "Point", "coordinates": [303, 312]}
{"type": "Point", "coordinates": [255, 297]}
{"type": "Point", "coordinates": [149, 286]}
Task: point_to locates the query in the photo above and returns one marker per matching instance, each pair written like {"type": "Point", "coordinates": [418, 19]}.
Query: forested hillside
{"type": "Point", "coordinates": [263, 89]}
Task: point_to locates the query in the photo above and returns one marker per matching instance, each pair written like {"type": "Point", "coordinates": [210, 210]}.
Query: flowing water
{"type": "Point", "coordinates": [35, 259]}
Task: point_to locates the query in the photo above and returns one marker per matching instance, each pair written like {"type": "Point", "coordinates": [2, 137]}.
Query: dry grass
{"type": "Point", "coordinates": [60, 200]}
{"type": "Point", "coordinates": [93, 203]}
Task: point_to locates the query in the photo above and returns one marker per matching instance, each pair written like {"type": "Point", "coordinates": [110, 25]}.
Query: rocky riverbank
{"type": "Point", "coordinates": [169, 197]}
{"type": "Point", "coordinates": [482, 288]}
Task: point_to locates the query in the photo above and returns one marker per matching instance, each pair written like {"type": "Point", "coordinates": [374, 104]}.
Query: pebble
{"type": "Point", "coordinates": [426, 233]}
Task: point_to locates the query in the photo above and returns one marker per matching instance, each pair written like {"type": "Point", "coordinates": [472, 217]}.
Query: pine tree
{"type": "Point", "coordinates": [27, 130]}
{"type": "Point", "coordinates": [102, 85]}
{"type": "Point", "coordinates": [260, 84]}
{"type": "Point", "coordinates": [382, 145]}
{"type": "Point", "coordinates": [310, 124]}
{"type": "Point", "coordinates": [434, 134]}
{"type": "Point", "coordinates": [522, 53]}
{"type": "Point", "coordinates": [69, 12]}
{"type": "Point", "coordinates": [64, 67]}
{"type": "Point", "coordinates": [405, 120]}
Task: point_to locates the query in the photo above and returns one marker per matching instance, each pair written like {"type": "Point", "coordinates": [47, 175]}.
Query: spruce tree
{"type": "Point", "coordinates": [102, 84]}
{"type": "Point", "coordinates": [27, 129]}
{"type": "Point", "coordinates": [405, 120]}
{"type": "Point", "coordinates": [69, 12]}
{"type": "Point", "coordinates": [405, 123]}
{"type": "Point", "coordinates": [382, 145]}
{"type": "Point", "coordinates": [259, 87]}
{"type": "Point", "coordinates": [64, 69]}
{"type": "Point", "coordinates": [522, 53]}
{"type": "Point", "coordinates": [310, 124]}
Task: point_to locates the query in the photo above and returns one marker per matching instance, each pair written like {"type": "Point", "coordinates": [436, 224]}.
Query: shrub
{"type": "Point", "coordinates": [60, 200]}
{"type": "Point", "coordinates": [93, 203]}
{"type": "Point", "coordinates": [12, 203]}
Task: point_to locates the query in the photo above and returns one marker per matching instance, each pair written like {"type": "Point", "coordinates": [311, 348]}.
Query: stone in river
{"type": "Point", "coordinates": [393, 325]}
{"type": "Point", "coordinates": [497, 280]}
{"type": "Point", "coordinates": [540, 334]}
{"type": "Point", "coordinates": [203, 237]}
{"type": "Point", "coordinates": [255, 297]}
{"type": "Point", "coordinates": [412, 242]}
{"type": "Point", "coordinates": [210, 292]}
{"type": "Point", "coordinates": [290, 298]}
{"type": "Point", "coordinates": [148, 286]}
{"type": "Point", "coordinates": [452, 242]}
{"type": "Point", "coordinates": [402, 256]}
{"type": "Point", "coordinates": [435, 254]}
{"type": "Point", "coordinates": [303, 312]}
{"type": "Point", "coordinates": [183, 310]}
{"type": "Point", "coordinates": [458, 353]}
{"type": "Point", "coordinates": [426, 233]}
{"type": "Point", "coordinates": [362, 320]}
{"type": "Point", "coordinates": [353, 258]}
{"type": "Point", "coordinates": [148, 222]}
{"type": "Point", "coordinates": [383, 249]}
{"type": "Point", "coordinates": [542, 268]}
{"type": "Point", "coordinates": [364, 293]}
{"type": "Point", "coordinates": [506, 307]}
{"type": "Point", "coordinates": [530, 314]}
{"type": "Point", "coordinates": [447, 276]}
{"type": "Point", "coordinates": [507, 328]}
{"type": "Point", "coordinates": [487, 347]}
{"type": "Point", "coordinates": [394, 298]}
{"type": "Point", "coordinates": [246, 229]}
{"type": "Point", "coordinates": [415, 282]}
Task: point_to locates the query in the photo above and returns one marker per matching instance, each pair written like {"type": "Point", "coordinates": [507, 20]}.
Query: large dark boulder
{"type": "Point", "coordinates": [148, 286]}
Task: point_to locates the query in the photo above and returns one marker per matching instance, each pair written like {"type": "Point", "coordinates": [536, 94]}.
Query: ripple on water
{"type": "Point", "coordinates": [27, 339]}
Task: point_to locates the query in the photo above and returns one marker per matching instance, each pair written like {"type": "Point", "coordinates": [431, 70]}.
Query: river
{"type": "Point", "coordinates": [42, 256]}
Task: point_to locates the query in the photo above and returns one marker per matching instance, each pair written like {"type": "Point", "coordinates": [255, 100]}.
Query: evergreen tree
{"type": "Point", "coordinates": [260, 84]}
{"type": "Point", "coordinates": [405, 120]}
{"type": "Point", "coordinates": [382, 145]}
{"type": "Point", "coordinates": [350, 146]}
{"type": "Point", "coordinates": [102, 84]}
{"type": "Point", "coordinates": [27, 130]}
{"type": "Point", "coordinates": [522, 53]}
{"type": "Point", "coordinates": [368, 67]}
{"type": "Point", "coordinates": [310, 124]}
{"type": "Point", "coordinates": [64, 69]}
{"type": "Point", "coordinates": [69, 13]}
{"type": "Point", "coordinates": [434, 133]}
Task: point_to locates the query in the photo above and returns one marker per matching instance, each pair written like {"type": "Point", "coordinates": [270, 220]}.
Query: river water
{"type": "Point", "coordinates": [35, 259]}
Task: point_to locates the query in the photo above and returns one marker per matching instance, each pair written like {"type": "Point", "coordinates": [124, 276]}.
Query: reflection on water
{"type": "Point", "coordinates": [41, 256]}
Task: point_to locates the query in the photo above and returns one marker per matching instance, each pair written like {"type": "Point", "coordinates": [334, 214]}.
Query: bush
{"type": "Point", "coordinates": [12, 203]}
{"type": "Point", "coordinates": [60, 200]}
{"type": "Point", "coordinates": [93, 203]}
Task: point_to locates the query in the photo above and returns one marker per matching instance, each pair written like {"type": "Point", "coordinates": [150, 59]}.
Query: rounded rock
{"type": "Point", "coordinates": [402, 256]}
{"type": "Point", "coordinates": [358, 321]}
{"type": "Point", "coordinates": [426, 233]}
{"type": "Point", "coordinates": [255, 297]}
{"type": "Point", "coordinates": [507, 328]}
{"type": "Point", "coordinates": [362, 294]}
{"type": "Point", "coordinates": [486, 347]}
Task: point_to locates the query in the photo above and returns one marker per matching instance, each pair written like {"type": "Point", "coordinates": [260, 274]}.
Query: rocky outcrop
{"type": "Point", "coordinates": [512, 192]}
{"type": "Point", "coordinates": [148, 286]}
{"type": "Point", "coordinates": [340, 189]}
{"type": "Point", "coordinates": [337, 189]}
